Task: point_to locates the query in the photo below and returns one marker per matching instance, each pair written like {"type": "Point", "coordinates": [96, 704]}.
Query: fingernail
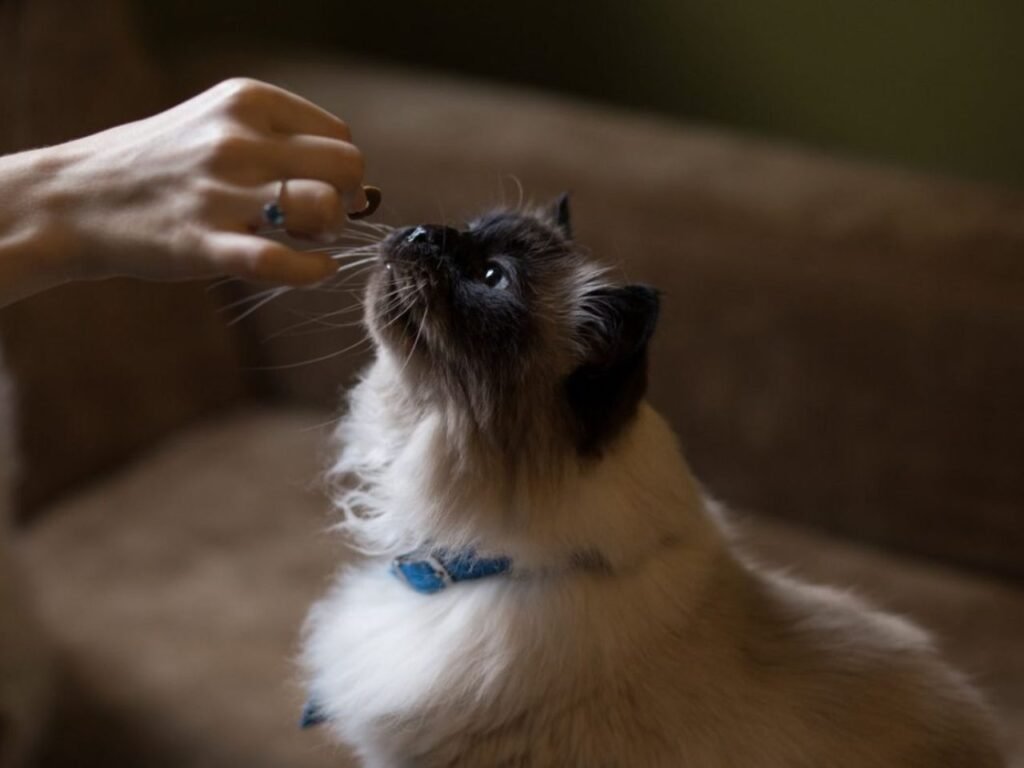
{"type": "Point", "coordinates": [354, 200]}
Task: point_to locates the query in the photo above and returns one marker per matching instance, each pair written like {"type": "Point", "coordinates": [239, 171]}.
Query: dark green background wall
{"type": "Point", "coordinates": [925, 83]}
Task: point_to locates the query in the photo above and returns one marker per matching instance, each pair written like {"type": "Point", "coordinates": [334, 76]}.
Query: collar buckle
{"type": "Point", "coordinates": [424, 573]}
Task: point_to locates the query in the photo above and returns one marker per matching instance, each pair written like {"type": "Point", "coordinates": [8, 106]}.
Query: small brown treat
{"type": "Point", "coordinates": [373, 198]}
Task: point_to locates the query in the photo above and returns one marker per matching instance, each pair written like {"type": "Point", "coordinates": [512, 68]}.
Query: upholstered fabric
{"type": "Point", "coordinates": [176, 591]}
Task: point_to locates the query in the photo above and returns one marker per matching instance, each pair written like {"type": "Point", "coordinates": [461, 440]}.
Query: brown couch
{"type": "Point", "coordinates": [841, 353]}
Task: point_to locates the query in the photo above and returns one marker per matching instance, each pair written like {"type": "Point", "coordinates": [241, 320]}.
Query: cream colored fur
{"type": "Point", "coordinates": [680, 653]}
{"type": "Point", "coordinates": [24, 669]}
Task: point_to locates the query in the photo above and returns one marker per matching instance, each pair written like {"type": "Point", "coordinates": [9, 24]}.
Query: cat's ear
{"type": "Point", "coordinates": [560, 215]}
{"type": "Point", "coordinates": [606, 388]}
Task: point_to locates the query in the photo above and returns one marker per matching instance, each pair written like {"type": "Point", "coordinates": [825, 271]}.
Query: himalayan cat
{"type": "Point", "coordinates": [24, 658]}
{"type": "Point", "coordinates": [545, 583]}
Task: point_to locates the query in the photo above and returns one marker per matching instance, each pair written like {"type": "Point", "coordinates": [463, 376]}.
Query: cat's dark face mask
{"type": "Point", "coordinates": [509, 322]}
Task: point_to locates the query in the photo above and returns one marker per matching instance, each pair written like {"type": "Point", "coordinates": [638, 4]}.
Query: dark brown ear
{"type": "Point", "coordinates": [560, 214]}
{"type": "Point", "coordinates": [605, 390]}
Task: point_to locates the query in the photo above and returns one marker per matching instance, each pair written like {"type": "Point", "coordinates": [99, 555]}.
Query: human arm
{"type": "Point", "coordinates": [180, 195]}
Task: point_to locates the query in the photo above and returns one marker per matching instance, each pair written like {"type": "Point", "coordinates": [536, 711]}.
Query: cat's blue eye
{"type": "Point", "coordinates": [495, 276]}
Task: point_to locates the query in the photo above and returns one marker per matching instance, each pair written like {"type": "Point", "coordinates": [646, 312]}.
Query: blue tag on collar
{"type": "Point", "coordinates": [432, 571]}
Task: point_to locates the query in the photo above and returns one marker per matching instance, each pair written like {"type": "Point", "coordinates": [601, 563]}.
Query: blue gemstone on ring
{"type": "Point", "coordinates": [273, 215]}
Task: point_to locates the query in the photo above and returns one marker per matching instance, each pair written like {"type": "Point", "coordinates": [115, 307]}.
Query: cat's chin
{"type": "Point", "coordinates": [393, 316]}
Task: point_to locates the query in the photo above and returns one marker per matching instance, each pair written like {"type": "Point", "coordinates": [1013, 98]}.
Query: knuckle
{"type": "Point", "coordinates": [240, 94]}
{"type": "Point", "coordinates": [229, 143]}
{"type": "Point", "coordinates": [188, 243]}
{"type": "Point", "coordinates": [207, 195]}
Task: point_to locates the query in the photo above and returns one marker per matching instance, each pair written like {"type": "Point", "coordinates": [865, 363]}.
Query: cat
{"type": "Point", "coordinates": [544, 582]}
{"type": "Point", "coordinates": [24, 655]}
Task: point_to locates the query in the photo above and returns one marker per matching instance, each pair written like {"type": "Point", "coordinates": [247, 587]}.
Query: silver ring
{"type": "Point", "coordinates": [273, 212]}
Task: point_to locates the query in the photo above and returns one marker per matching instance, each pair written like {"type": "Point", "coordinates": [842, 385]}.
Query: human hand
{"type": "Point", "coordinates": [180, 195]}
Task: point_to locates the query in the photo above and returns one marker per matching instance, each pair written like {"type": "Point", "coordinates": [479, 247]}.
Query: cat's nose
{"type": "Point", "coordinates": [433, 236]}
{"type": "Point", "coordinates": [418, 235]}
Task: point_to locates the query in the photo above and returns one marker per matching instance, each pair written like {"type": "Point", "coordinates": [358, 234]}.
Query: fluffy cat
{"type": "Point", "coordinates": [571, 597]}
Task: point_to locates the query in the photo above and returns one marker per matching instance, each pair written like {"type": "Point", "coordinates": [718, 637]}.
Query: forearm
{"type": "Point", "coordinates": [34, 254]}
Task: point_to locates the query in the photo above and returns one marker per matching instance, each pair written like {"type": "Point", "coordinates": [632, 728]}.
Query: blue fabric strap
{"type": "Point", "coordinates": [432, 571]}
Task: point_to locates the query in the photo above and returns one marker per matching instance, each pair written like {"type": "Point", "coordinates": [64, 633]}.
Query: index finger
{"type": "Point", "coordinates": [290, 113]}
{"type": "Point", "coordinates": [281, 110]}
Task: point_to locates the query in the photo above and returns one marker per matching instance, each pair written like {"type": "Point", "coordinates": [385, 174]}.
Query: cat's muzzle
{"type": "Point", "coordinates": [426, 245]}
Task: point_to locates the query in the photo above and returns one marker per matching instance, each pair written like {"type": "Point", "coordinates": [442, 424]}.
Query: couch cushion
{"type": "Point", "coordinates": [177, 589]}
{"type": "Point", "coordinates": [839, 344]}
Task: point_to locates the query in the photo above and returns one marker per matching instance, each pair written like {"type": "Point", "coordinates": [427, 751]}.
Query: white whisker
{"type": "Point", "coordinates": [286, 366]}
{"type": "Point", "coordinates": [356, 264]}
{"type": "Point", "coordinates": [258, 296]}
{"type": "Point", "coordinates": [263, 302]}
{"type": "Point", "coordinates": [317, 320]}
{"type": "Point", "coordinates": [419, 332]}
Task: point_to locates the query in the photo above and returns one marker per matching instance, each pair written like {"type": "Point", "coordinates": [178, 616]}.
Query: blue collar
{"type": "Point", "coordinates": [430, 571]}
